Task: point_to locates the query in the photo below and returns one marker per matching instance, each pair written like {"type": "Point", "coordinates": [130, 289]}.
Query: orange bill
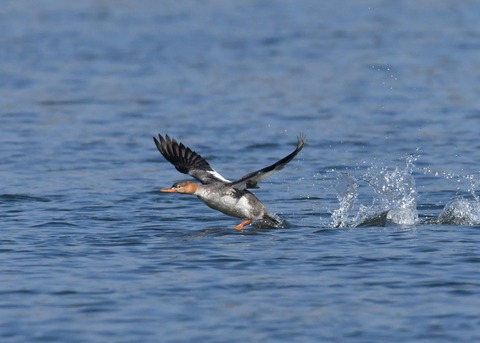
{"type": "Point", "coordinates": [168, 190]}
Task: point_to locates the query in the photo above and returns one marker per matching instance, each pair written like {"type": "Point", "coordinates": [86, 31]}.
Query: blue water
{"type": "Point", "coordinates": [382, 202]}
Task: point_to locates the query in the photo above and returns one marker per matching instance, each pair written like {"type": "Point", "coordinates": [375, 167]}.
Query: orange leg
{"type": "Point", "coordinates": [242, 224]}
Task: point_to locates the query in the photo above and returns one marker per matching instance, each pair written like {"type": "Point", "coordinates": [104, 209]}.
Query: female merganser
{"type": "Point", "coordinates": [229, 197]}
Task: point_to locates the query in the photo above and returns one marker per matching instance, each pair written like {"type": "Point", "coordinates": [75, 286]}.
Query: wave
{"type": "Point", "coordinates": [21, 198]}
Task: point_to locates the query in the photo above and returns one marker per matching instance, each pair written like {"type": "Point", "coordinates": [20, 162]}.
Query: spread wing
{"type": "Point", "coordinates": [251, 179]}
{"type": "Point", "coordinates": [187, 161]}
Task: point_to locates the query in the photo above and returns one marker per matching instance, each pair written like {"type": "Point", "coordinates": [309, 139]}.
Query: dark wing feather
{"type": "Point", "coordinates": [186, 160]}
{"type": "Point", "coordinates": [251, 179]}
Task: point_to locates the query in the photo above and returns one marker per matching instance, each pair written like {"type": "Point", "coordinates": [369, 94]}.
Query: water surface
{"type": "Point", "coordinates": [382, 202]}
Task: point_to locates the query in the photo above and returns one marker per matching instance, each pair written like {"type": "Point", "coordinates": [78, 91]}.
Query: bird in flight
{"type": "Point", "coordinates": [229, 197]}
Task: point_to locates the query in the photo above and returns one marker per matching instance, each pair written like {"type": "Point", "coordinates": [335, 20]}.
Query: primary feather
{"type": "Point", "coordinates": [250, 180]}
{"type": "Point", "coordinates": [186, 160]}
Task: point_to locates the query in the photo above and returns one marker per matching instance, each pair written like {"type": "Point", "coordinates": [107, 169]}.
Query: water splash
{"type": "Point", "coordinates": [394, 198]}
{"type": "Point", "coordinates": [463, 211]}
{"type": "Point", "coordinates": [347, 190]}
{"type": "Point", "coordinates": [396, 192]}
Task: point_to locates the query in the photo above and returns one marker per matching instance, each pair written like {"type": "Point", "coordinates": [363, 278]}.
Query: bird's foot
{"type": "Point", "coordinates": [242, 224]}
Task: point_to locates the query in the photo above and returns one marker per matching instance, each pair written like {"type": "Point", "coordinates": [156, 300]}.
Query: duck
{"type": "Point", "coordinates": [232, 198]}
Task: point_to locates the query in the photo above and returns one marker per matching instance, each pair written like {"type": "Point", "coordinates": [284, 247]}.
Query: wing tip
{"type": "Point", "coordinates": [185, 160]}
{"type": "Point", "coordinates": [165, 144]}
{"type": "Point", "coordinates": [301, 141]}
{"type": "Point", "coordinates": [158, 143]}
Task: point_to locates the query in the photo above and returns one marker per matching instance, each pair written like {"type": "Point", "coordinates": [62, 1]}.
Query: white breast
{"type": "Point", "coordinates": [243, 207]}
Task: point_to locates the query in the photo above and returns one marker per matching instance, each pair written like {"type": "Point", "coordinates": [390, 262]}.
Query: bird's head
{"type": "Point", "coordinates": [184, 187]}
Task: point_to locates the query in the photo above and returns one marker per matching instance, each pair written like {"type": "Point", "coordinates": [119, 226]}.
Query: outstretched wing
{"type": "Point", "coordinates": [251, 179]}
{"type": "Point", "coordinates": [187, 161]}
